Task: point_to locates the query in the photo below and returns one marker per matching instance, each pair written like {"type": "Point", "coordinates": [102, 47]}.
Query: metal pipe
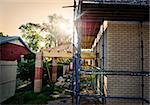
{"type": "Point", "coordinates": [97, 76]}
{"type": "Point", "coordinates": [142, 61]}
{"type": "Point", "coordinates": [110, 97]}
{"type": "Point", "coordinates": [73, 50]}
{"type": "Point", "coordinates": [123, 73]}
{"type": "Point", "coordinates": [102, 76]}
{"type": "Point", "coordinates": [78, 65]}
{"type": "Point", "coordinates": [103, 46]}
{"type": "Point", "coordinates": [72, 81]}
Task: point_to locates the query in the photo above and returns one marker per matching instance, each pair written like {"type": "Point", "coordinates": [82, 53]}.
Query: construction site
{"type": "Point", "coordinates": [109, 53]}
{"type": "Point", "coordinates": [117, 31]}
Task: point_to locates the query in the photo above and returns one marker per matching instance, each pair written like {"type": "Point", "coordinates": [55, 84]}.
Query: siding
{"type": "Point", "coordinates": [12, 52]}
{"type": "Point", "coordinates": [8, 71]}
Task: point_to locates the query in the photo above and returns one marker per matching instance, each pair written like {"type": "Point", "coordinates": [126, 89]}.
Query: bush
{"type": "Point", "coordinates": [25, 70]}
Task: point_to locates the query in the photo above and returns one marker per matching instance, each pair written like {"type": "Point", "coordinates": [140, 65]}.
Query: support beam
{"type": "Point", "coordinates": [64, 54]}
{"type": "Point", "coordinates": [78, 61]}
{"type": "Point", "coordinates": [103, 65]}
{"type": "Point", "coordinates": [142, 61]}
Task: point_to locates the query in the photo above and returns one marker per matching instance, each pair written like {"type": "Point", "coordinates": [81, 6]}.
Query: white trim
{"type": "Point", "coordinates": [17, 42]}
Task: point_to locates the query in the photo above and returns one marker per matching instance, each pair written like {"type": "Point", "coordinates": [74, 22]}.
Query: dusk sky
{"type": "Point", "coordinates": [14, 13]}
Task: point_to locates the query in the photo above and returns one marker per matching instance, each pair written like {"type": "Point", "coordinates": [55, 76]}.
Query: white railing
{"type": "Point", "coordinates": [130, 2]}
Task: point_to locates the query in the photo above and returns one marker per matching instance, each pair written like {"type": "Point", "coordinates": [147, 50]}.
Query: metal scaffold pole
{"type": "Point", "coordinates": [77, 72]}
{"type": "Point", "coordinates": [97, 76]}
{"type": "Point", "coordinates": [87, 14]}
{"type": "Point", "coordinates": [73, 50]}
{"type": "Point", "coordinates": [78, 60]}
{"type": "Point", "coordinates": [102, 75]}
{"type": "Point", "coordinates": [142, 60]}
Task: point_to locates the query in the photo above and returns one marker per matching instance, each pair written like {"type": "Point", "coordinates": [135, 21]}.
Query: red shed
{"type": "Point", "coordinates": [12, 47]}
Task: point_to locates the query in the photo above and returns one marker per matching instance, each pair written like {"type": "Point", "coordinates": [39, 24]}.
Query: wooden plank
{"type": "Point", "coordinates": [57, 54]}
{"type": "Point", "coordinates": [84, 55]}
{"type": "Point", "coordinates": [88, 55]}
{"type": "Point", "coordinates": [115, 8]}
{"type": "Point", "coordinates": [87, 42]}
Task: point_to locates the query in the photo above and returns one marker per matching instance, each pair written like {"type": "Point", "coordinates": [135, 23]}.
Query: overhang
{"type": "Point", "coordinates": [92, 14]}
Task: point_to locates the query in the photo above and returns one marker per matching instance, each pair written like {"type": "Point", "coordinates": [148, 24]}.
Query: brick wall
{"type": "Point", "coordinates": [123, 46]}
{"type": "Point", "coordinates": [123, 53]}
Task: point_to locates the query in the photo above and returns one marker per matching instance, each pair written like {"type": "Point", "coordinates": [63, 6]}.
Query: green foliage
{"type": "Point", "coordinates": [31, 34]}
{"type": "Point", "coordinates": [58, 89]}
{"type": "Point", "coordinates": [1, 34]}
{"type": "Point", "coordinates": [51, 33]}
{"type": "Point", "coordinates": [45, 79]}
{"type": "Point", "coordinates": [28, 97]}
{"type": "Point", "coordinates": [26, 69]}
{"type": "Point", "coordinates": [64, 61]}
{"type": "Point", "coordinates": [55, 27]}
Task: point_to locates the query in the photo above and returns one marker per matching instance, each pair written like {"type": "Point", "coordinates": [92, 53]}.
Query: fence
{"type": "Point", "coordinates": [8, 73]}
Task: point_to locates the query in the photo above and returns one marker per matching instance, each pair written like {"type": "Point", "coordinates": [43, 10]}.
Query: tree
{"type": "Point", "coordinates": [1, 34]}
{"type": "Point", "coordinates": [52, 33]}
{"type": "Point", "coordinates": [30, 32]}
{"type": "Point", "coordinates": [56, 27]}
{"type": "Point", "coordinates": [25, 70]}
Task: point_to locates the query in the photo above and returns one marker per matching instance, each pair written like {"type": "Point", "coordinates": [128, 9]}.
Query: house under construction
{"type": "Point", "coordinates": [118, 32]}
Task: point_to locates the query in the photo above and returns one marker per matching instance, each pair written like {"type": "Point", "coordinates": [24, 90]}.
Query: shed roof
{"type": "Point", "coordinates": [7, 39]}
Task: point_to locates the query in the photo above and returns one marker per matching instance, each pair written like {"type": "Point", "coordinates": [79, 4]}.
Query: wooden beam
{"type": "Point", "coordinates": [112, 9]}
{"type": "Point", "coordinates": [63, 54]}
{"type": "Point", "coordinates": [118, 18]}
{"type": "Point", "coordinates": [115, 11]}
{"type": "Point", "coordinates": [56, 54]}
{"type": "Point", "coordinates": [114, 6]}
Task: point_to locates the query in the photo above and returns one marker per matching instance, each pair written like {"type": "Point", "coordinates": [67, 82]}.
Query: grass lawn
{"type": "Point", "coordinates": [29, 97]}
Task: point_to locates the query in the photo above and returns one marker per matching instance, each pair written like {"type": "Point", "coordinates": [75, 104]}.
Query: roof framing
{"type": "Point", "coordinates": [93, 13]}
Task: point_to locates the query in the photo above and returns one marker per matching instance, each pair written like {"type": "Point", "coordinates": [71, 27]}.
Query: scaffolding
{"type": "Point", "coordinates": [81, 16]}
